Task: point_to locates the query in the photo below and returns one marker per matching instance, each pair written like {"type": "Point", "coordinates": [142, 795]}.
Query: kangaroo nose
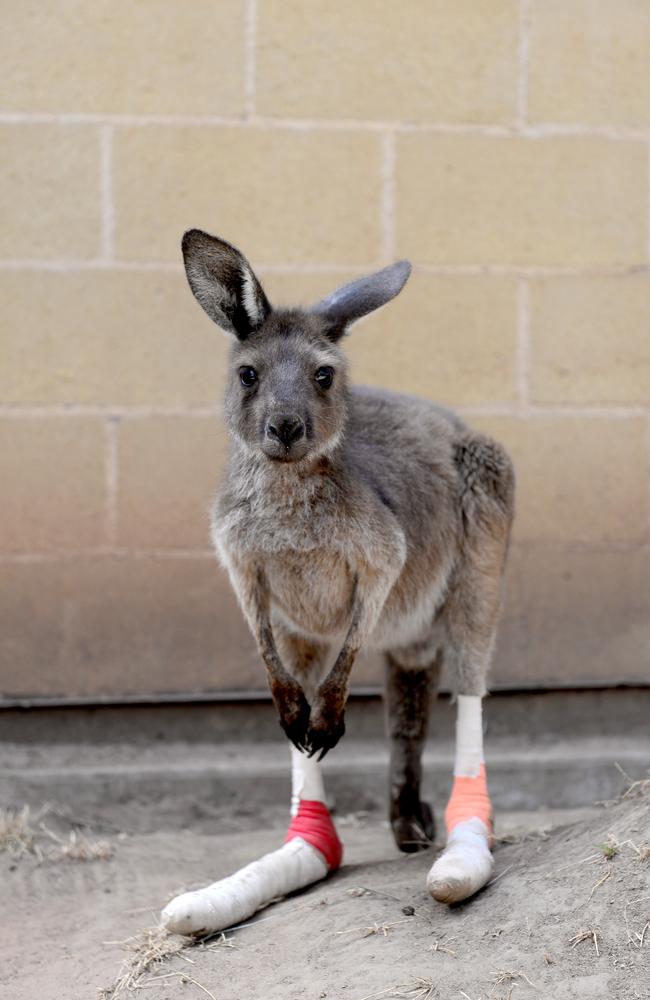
{"type": "Point", "coordinates": [286, 429]}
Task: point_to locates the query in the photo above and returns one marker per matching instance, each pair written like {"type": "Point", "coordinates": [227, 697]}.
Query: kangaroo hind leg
{"type": "Point", "coordinates": [409, 691]}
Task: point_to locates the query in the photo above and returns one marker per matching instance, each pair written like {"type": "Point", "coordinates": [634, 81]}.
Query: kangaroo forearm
{"type": "Point", "coordinates": [371, 591]}
{"type": "Point", "coordinates": [334, 689]}
{"type": "Point", "coordinates": [269, 653]}
{"type": "Point", "coordinates": [250, 584]}
{"type": "Point", "coordinates": [287, 694]}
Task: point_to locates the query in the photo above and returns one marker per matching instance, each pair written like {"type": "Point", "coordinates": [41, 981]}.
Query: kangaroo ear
{"type": "Point", "coordinates": [361, 297]}
{"type": "Point", "coordinates": [224, 284]}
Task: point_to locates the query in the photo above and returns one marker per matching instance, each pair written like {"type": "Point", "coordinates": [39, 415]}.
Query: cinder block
{"type": "Point", "coordinates": [150, 57]}
{"type": "Point", "coordinates": [579, 479]}
{"type": "Point", "coordinates": [516, 201]}
{"type": "Point", "coordinates": [49, 193]}
{"type": "Point", "coordinates": [574, 618]}
{"type": "Point", "coordinates": [589, 62]}
{"type": "Point", "coordinates": [283, 196]}
{"type": "Point", "coordinates": [111, 626]}
{"type": "Point", "coordinates": [52, 475]}
{"type": "Point", "coordinates": [167, 473]}
{"type": "Point", "coordinates": [107, 337]}
{"type": "Point", "coordinates": [423, 61]}
{"type": "Point", "coordinates": [447, 338]}
{"type": "Point", "coordinates": [591, 340]}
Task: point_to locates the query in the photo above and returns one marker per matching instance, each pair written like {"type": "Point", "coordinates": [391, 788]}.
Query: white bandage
{"type": "Point", "coordinates": [294, 866]}
{"type": "Point", "coordinates": [469, 736]}
{"type": "Point", "coordinates": [226, 903]}
{"type": "Point", "coordinates": [306, 780]}
{"type": "Point", "coordinates": [465, 864]}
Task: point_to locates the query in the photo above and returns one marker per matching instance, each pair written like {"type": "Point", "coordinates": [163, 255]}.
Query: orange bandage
{"type": "Point", "coordinates": [469, 799]}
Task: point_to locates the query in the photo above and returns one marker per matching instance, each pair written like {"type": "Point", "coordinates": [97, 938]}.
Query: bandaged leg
{"type": "Point", "coordinates": [466, 863]}
{"type": "Point", "coordinates": [311, 850]}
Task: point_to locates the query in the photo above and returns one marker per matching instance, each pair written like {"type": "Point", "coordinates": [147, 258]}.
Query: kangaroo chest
{"type": "Point", "coordinates": [312, 590]}
{"type": "Point", "coordinates": [300, 542]}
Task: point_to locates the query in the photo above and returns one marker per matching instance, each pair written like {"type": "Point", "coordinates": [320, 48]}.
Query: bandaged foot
{"type": "Point", "coordinates": [466, 863]}
{"type": "Point", "coordinates": [311, 850]}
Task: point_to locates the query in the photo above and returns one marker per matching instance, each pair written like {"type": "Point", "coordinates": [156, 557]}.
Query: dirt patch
{"type": "Point", "coordinates": [566, 917]}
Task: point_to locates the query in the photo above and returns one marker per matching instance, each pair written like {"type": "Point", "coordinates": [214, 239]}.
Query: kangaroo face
{"type": "Point", "coordinates": [287, 389]}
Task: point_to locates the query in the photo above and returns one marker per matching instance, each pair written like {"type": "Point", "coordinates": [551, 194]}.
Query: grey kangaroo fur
{"type": "Point", "coordinates": [350, 517]}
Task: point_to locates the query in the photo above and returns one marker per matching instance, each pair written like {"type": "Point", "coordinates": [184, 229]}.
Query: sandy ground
{"type": "Point", "coordinates": [560, 921]}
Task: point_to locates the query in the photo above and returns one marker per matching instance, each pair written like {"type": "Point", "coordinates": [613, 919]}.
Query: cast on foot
{"type": "Point", "coordinates": [311, 850]}
{"type": "Point", "coordinates": [466, 863]}
{"type": "Point", "coordinates": [236, 898]}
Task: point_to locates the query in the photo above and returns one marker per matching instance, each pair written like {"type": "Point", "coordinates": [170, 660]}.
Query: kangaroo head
{"type": "Point", "coordinates": [287, 386]}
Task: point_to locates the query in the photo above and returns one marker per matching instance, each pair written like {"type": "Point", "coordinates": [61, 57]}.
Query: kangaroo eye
{"type": "Point", "coordinates": [247, 377]}
{"type": "Point", "coordinates": [324, 377]}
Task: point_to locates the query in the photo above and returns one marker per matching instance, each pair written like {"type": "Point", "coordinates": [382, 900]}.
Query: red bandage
{"type": "Point", "coordinates": [313, 823]}
{"type": "Point", "coordinates": [469, 799]}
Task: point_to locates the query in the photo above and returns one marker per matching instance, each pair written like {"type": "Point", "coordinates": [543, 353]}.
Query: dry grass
{"type": "Point", "coordinates": [148, 950]}
{"type": "Point", "coordinates": [607, 851]}
{"type": "Point", "coordinates": [437, 946]}
{"type": "Point", "coordinates": [636, 938]}
{"type": "Point", "coordinates": [634, 788]}
{"type": "Point", "coordinates": [599, 883]}
{"type": "Point", "coordinates": [375, 928]}
{"type": "Point", "coordinates": [416, 989]}
{"type": "Point", "coordinates": [79, 848]}
{"type": "Point", "coordinates": [17, 835]}
{"type": "Point", "coordinates": [23, 833]}
{"type": "Point", "coordinates": [507, 976]}
{"type": "Point", "coordinates": [612, 847]}
{"type": "Point", "coordinates": [590, 934]}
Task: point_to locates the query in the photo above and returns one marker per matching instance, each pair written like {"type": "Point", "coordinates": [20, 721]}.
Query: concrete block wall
{"type": "Point", "coordinates": [502, 145]}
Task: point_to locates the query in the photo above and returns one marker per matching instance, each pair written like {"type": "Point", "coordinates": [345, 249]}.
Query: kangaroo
{"type": "Point", "coordinates": [351, 518]}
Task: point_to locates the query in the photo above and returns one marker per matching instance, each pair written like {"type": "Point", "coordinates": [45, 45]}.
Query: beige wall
{"type": "Point", "coordinates": [501, 145]}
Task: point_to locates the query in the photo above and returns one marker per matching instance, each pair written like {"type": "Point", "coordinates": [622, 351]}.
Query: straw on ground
{"type": "Point", "coordinates": [23, 833]}
{"type": "Point", "coordinates": [416, 989]}
{"type": "Point", "coordinates": [148, 950]}
{"type": "Point", "coordinates": [590, 934]}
